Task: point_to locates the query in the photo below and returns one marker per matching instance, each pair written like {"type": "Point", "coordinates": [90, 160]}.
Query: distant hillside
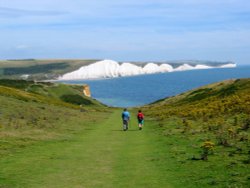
{"type": "Point", "coordinates": [45, 92]}
{"type": "Point", "coordinates": [226, 98]}
{"type": "Point", "coordinates": [39, 69]}
{"type": "Point", "coordinates": [33, 69]}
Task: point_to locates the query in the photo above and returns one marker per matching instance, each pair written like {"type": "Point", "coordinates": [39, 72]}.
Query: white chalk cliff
{"type": "Point", "coordinates": [112, 69]}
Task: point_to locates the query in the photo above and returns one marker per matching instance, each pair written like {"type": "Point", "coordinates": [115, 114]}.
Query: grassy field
{"type": "Point", "coordinates": [48, 142]}
{"type": "Point", "coordinates": [39, 69]}
{"type": "Point", "coordinates": [99, 155]}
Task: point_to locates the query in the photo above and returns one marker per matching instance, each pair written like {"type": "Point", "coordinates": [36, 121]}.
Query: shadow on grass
{"type": "Point", "coordinates": [120, 130]}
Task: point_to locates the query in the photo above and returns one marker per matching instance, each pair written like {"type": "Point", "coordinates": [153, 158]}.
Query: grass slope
{"type": "Point", "coordinates": [52, 92]}
{"type": "Point", "coordinates": [209, 124]}
{"type": "Point", "coordinates": [31, 112]}
{"type": "Point", "coordinates": [46, 144]}
{"type": "Point", "coordinates": [39, 69]}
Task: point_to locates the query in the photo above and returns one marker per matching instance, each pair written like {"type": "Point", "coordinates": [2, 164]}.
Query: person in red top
{"type": "Point", "coordinates": [140, 118]}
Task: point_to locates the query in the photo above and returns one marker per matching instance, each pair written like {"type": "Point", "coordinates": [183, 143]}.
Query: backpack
{"type": "Point", "coordinates": [140, 116]}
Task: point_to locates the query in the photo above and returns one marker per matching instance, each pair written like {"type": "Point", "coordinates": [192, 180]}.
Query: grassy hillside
{"type": "Point", "coordinates": [209, 124]}
{"type": "Point", "coordinates": [46, 91]}
{"type": "Point", "coordinates": [39, 69]}
{"type": "Point", "coordinates": [196, 139]}
{"type": "Point", "coordinates": [31, 111]}
{"type": "Point", "coordinates": [222, 99]}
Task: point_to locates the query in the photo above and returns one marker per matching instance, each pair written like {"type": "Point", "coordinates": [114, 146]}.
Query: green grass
{"type": "Point", "coordinates": [40, 69]}
{"type": "Point", "coordinates": [46, 92]}
{"type": "Point", "coordinates": [225, 167]}
{"type": "Point", "coordinates": [217, 113]}
{"type": "Point", "coordinates": [98, 155]}
{"type": "Point", "coordinates": [45, 142]}
{"type": "Point", "coordinates": [34, 69]}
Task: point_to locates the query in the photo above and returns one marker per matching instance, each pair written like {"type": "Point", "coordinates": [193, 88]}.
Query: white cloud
{"type": "Point", "coordinates": [126, 29]}
{"type": "Point", "coordinates": [22, 46]}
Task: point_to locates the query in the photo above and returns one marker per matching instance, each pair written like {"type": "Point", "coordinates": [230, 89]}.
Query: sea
{"type": "Point", "coordinates": [144, 89]}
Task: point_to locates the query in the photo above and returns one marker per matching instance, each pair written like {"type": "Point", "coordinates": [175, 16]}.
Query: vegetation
{"type": "Point", "coordinates": [225, 98]}
{"type": "Point", "coordinates": [75, 99]}
{"type": "Point", "coordinates": [33, 69]}
{"type": "Point", "coordinates": [19, 84]}
{"type": "Point", "coordinates": [52, 136]}
{"type": "Point", "coordinates": [212, 123]}
{"type": "Point", "coordinates": [32, 112]}
{"type": "Point", "coordinates": [46, 92]}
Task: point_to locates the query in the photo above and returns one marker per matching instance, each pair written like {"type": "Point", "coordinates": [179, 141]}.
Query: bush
{"type": "Point", "coordinates": [207, 148]}
{"type": "Point", "coordinates": [35, 69]}
{"type": "Point", "coordinates": [19, 84]}
{"type": "Point", "coordinates": [75, 99]}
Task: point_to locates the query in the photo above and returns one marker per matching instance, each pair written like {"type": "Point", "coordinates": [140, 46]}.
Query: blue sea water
{"type": "Point", "coordinates": [144, 89]}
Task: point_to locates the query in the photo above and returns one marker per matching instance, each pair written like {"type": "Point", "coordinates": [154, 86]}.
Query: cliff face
{"type": "Point", "coordinates": [86, 91]}
{"type": "Point", "coordinates": [112, 69]}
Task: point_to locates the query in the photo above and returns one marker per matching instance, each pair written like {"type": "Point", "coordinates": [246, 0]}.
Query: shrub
{"type": "Point", "coordinates": [34, 69]}
{"type": "Point", "coordinates": [246, 124]}
{"type": "Point", "coordinates": [75, 99]}
{"type": "Point", "coordinates": [186, 125]}
{"type": "Point", "coordinates": [19, 84]}
{"type": "Point", "coordinates": [222, 138]}
{"type": "Point", "coordinates": [207, 148]}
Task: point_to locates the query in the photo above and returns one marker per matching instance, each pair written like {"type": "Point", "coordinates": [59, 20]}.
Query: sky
{"type": "Point", "coordinates": [126, 30]}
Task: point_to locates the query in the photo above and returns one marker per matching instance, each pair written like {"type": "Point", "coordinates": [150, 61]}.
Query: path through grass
{"type": "Point", "coordinates": [101, 156]}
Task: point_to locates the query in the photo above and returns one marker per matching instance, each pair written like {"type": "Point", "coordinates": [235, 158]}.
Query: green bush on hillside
{"type": "Point", "coordinates": [19, 84]}
{"type": "Point", "coordinates": [34, 69]}
{"type": "Point", "coordinates": [75, 99]}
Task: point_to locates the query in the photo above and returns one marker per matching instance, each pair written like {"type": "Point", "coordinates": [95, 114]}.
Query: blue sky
{"type": "Point", "coordinates": [126, 30]}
